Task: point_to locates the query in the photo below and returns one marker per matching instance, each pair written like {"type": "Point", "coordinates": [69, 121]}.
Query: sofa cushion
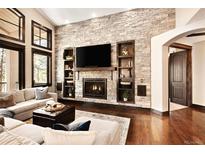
{"type": "Point", "coordinates": [19, 96]}
{"type": "Point", "coordinates": [27, 105]}
{"type": "Point", "coordinates": [29, 94]}
{"type": "Point", "coordinates": [10, 123]}
{"type": "Point", "coordinates": [41, 93]}
{"type": "Point", "coordinates": [30, 131]}
{"type": "Point", "coordinates": [110, 129]}
{"type": "Point", "coordinates": [7, 100]}
{"type": "Point", "coordinates": [58, 137]}
{"type": "Point", "coordinates": [7, 138]}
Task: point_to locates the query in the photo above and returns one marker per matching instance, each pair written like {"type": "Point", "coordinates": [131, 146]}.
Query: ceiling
{"type": "Point", "coordinates": [62, 16]}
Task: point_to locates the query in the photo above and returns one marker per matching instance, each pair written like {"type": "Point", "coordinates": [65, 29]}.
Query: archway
{"type": "Point", "coordinates": [159, 62]}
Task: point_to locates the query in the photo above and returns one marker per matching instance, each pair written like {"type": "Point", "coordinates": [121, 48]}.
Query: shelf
{"type": "Point", "coordinates": [130, 102]}
{"type": "Point", "coordinates": [68, 77]}
{"type": "Point", "coordinates": [125, 57]}
{"type": "Point", "coordinates": [69, 86]}
{"type": "Point", "coordinates": [125, 67]}
{"type": "Point", "coordinates": [130, 89]}
{"type": "Point", "coordinates": [68, 69]}
{"type": "Point", "coordinates": [84, 69]}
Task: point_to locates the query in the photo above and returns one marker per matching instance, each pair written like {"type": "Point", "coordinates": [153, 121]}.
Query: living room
{"type": "Point", "coordinates": [100, 76]}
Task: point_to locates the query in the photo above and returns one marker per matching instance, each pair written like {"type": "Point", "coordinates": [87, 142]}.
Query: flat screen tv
{"type": "Point", "coordinates": [94, 56]}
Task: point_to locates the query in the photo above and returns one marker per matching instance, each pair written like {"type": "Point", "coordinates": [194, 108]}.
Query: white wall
{"type": "Point", "coordinates": [32, 14]}
{"type": "Point", "coordinates": [184, 15]}
{"type": "Point", "coordinates": [198, 61]}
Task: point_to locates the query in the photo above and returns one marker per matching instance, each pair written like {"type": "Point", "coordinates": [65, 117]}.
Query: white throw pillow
{"type": "Point", "coordinates": [58, 137]}
{"type": "Point", "coordinates": [19, 96]}
{"type": "Point", "coordinates": [29, 94]}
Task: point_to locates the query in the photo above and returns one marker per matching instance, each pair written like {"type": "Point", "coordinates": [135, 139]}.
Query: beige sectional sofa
{"type": "Point", "coordinates": [107, 132]}
{"type": "Point", "coordinates": [25, 103]}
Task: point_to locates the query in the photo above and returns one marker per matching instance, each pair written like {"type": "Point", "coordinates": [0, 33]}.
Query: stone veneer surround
{"type": "Point", "coordinates": [137, 24]}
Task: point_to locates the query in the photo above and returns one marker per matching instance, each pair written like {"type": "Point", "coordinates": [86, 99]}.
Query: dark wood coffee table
{"type": "Point", "coordinates": [47, 119]}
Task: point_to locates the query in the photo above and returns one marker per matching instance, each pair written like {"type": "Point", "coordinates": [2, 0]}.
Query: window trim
{"type": "Point", "coordinates": [23, 27]}
{"type": "Point", "coordinates": [49, 71]}
{"type": "Point", "coordinates": [49, 39]}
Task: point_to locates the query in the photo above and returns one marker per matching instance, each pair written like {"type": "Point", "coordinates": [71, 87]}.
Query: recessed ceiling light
{"type": "Point", "coordinates": [94, 15]}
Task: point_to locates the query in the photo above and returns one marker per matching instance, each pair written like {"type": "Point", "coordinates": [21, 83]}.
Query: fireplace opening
{"type": "Point", "coordinates": [95, 88]}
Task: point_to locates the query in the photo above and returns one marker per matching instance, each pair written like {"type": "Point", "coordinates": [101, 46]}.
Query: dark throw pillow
{"type": "Point", "coordinates": [81, 126]}
{"type": "Point", "coordinates": [6, 113]}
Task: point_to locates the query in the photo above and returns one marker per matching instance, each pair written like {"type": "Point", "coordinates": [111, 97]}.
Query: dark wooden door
{"type": "Point", "coordinates": [178, 77]}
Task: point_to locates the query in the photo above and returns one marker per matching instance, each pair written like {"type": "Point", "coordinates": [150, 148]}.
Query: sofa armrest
{"type": "Point", "coordinates": [53, 95]}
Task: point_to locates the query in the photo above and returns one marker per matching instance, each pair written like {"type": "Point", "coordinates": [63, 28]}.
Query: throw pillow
{"type": "Point", "coordinates": [29, 94]}
{"type": "Point", "coordinates": [57, 137]}
{"type": "Point", "coordinates": [6, 101]}
{"type": "Point", "coordinates": [19, 96]}
{"type": "Point", "coordinates": [81, 126]}
{"type": "Point", "coordinates": [41, 93]}
{"type": "Point", "coordinates": [6, 113]}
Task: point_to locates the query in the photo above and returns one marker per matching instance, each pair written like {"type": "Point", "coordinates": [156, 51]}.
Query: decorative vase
{"type": "Point", "coordinates": [125, 99]}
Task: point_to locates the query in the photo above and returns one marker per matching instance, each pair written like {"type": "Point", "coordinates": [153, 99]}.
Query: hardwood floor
{"type": "Point", "coordinates": [185, 126]}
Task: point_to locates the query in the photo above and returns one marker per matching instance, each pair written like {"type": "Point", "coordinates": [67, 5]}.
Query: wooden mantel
{"type": "Point", "coordinates": [87, 69]}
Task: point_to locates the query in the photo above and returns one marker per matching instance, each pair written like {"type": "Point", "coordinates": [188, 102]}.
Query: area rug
{"type": "Point", "coordinates": [124, 122]}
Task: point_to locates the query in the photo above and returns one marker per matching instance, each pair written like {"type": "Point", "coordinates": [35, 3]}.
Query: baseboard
{"type": "Point", "coordinates": [199, 107]}
{"type": "Point", "coordinates": [166, 113]}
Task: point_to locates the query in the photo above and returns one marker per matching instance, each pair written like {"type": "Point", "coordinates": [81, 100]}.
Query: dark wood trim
{"type": "Point", "coordinates": [49, 66]}
{"type": "Point", "coordinates": [49, 39]}
{"type": "Point", "coordinates": [180, 46]}
{"type": "Point", "coordinates": [21, 50]}
{"type": "Point", "coordinates": [199, 107]}
{"type": "Point", "coordinates": [196, 34]}
{"type": "Point", "coordinates": [23, 28]}
{"type": "Point", "coordinates": [166, 113]}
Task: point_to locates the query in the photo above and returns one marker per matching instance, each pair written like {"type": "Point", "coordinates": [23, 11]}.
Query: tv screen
{"type": "Point", "coordinates": [94, 56]}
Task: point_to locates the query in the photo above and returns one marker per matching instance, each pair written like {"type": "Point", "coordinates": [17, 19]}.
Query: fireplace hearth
{"type": "Point", "coordinates": [95, 88]}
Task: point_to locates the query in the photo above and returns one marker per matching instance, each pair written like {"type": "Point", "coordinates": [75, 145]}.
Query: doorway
{"type": "Point", "coordinates": [180, 76]}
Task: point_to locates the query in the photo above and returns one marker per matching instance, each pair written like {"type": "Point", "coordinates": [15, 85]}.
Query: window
{"type": "Point", "coordinates": [12, 24]}
{"type": "Point", "coordinates": [41, 36]}
{"type": "Point", "coordinates": [41, 68]}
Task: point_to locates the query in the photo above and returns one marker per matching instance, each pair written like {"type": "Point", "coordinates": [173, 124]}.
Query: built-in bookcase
{"type": "Point", "coordinates": [69, 77]}
{"type": "Point", "coordinates": [126, 72]}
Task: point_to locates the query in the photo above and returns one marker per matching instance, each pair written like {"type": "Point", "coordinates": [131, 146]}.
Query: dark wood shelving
{"type": "Point", "coordinates": [125, 57]}
{"type": "Point", "coordinates": [125, 68]}
{"type": "Point", "coordinates": [69, 82]}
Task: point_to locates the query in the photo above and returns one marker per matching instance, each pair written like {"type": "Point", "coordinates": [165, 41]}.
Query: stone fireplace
{"type": "Point", "coordinates": [95, 88]}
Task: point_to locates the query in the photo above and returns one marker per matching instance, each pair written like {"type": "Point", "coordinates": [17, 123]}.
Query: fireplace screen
{"type": "Point", "coordinates": [95, 88]}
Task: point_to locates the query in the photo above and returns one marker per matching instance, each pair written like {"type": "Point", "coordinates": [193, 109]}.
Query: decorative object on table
{"type": "Point", "coordinates": [41, 93]}
{"type": "Point", "coordinates": [52, 106]}
{"type": "Point", "coordinates": [125, 96]}
{"type": "Point", "coordinates": [124, 51]}
{"type": "Point", "coordinates": [80, 126]}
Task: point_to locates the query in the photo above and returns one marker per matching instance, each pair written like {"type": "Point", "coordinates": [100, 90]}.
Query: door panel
{"type": "Point", "coordinates": [178, 71]}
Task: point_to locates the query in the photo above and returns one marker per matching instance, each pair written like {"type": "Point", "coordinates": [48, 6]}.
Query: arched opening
{"type": "Point", "coordinates": [159, 63]}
